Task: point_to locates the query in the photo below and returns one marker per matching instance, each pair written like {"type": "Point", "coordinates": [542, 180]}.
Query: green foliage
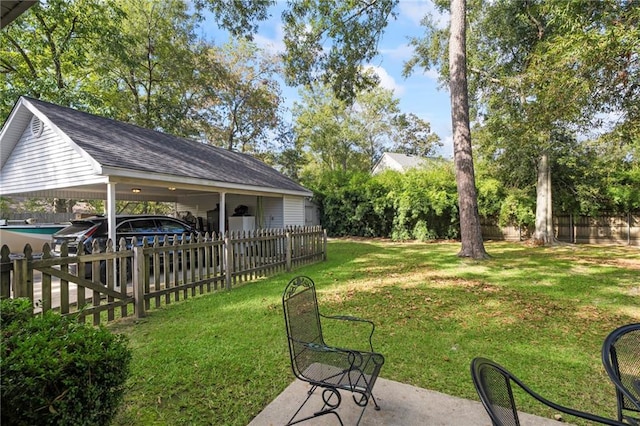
{"type": "Point", "coordinates": [328, 40]}
{"type": "Point", "coordinates": [56, 371]}
{"type": "Point", "coordinates": [47, 52]}
{"type": "Point", "coordinates": [624, 190]}
{"type": "Point", "coordinates": [427, 200]}
{"type": "Point", "coordinates": [339, 135]}
{"type": "Point", "coordinates": [239, 96]}
{"type": "Point", "coordinates": [420, 204]}
{"type": "Point", "coordinates": [490, 196]}
{"type": "Point", "coordinates": [518, 208]}
{"type": "Point", "coordinates": [15, 311]}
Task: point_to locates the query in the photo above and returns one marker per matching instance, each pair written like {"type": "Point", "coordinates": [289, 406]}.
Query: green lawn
{"type": "Point", "coordinates": [541, 312]}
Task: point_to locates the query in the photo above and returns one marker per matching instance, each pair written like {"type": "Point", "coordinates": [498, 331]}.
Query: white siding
{"type": "Point", "coordinates": [198, 205]}
{"type": "Point", "coordinates": [44, 163]}
{"type": "Point", "coordinates": [294, 211]}
{"type": "Point", "coordinates": [273, 217]}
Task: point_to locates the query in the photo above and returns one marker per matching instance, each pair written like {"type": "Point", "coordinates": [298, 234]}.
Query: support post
{"type": "Point", "coordinates": [5, 272]}
{"type": "Point", "coordinates": [138, 276]}
{"type": "Point", "coordinates": [228, 268]}
{"type": "Point", "coordinates": [324, 245]}
{"type": "Point", "coordinates": [288, 250]}
{"type": "Point", "coordinates": [23, 275]}
{"type": "Point", "coordinates": [221, 213]}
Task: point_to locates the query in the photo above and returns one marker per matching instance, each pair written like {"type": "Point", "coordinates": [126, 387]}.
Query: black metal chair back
{"type": "Point", "coordinates": [302, 319]}
{"type": "Point", "coordinates": [621, 360]}
{"type": "Point", "coordinates": [494, 386]}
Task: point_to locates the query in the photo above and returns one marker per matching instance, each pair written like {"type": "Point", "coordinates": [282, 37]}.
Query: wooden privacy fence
{"type": "Point", "coordinates": [134, 278]}
{"type": "Point", "coordinates": [604, 229]}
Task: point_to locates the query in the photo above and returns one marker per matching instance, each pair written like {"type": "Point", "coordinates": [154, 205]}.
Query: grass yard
{"type": "Point", "coordinates": [543, 313]}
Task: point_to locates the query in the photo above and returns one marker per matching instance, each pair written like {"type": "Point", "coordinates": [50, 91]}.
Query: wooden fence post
{"type": "Point", "coordinates": [228, 261]}
{"type": "Point", "coordinates": [138, 280]}
{"type": "Point", "coordinates": [22, 277]}
{"type": "Point", "coordinates": [324, 245]}
{"type": "Point", "coordinates": [288, 248]}
{"type": "Point", "coordinates": [5, 272]}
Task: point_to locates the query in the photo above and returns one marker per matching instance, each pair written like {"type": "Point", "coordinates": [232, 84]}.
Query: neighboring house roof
{"type": "Point", "coordinates": [114, 148]}
{"type": "Point", "coordinates": [399, 162]}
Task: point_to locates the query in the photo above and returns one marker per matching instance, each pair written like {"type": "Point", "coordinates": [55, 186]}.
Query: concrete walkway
{"type": "Point", "coordinates": [401, 405]}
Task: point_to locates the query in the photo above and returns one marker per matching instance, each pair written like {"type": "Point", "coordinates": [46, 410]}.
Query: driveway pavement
{"type": "Point", "coordinates": [401, 405]}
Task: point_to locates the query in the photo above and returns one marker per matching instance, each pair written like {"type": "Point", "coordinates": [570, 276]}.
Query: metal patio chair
{"type": "Point", "coordinates": [494, 386]}
{"type": "Point", "coordinates": [331, 368]}
{"type": "Point", "coordinates": [621, 360]}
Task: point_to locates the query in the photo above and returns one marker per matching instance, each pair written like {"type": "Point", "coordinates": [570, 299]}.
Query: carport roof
{"type": "Point", "coordinates": [122, 148]}
{"type": "Point", "coordinates": [11, 9]}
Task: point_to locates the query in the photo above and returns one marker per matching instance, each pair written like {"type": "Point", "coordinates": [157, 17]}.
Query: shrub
{"type": "Point", "coordinates": [57, 371]}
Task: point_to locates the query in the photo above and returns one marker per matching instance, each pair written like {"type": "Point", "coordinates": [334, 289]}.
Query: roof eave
{"type": "Point", "coordinates": [117, 173]}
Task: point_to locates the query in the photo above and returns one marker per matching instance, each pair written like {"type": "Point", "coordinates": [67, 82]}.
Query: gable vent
{"type": "Point", "coordinates": [36, 127]}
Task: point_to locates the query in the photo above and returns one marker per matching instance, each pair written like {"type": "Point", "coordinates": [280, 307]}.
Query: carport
{"type": "Point", "coordinates": [50, 151]}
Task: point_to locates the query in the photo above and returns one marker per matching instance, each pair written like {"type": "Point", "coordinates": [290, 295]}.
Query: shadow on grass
{"type": "Point", "coordinates": [543, 313]}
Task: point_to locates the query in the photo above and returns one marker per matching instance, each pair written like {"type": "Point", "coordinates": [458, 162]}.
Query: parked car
{"type": "Point", "coordinates": [143, 227]}
{"type": "Point", "coordinates": [86, 231]}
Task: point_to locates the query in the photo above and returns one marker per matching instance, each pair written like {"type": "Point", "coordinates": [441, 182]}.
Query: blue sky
{"type": "Point", "coordinates": [419, 93]}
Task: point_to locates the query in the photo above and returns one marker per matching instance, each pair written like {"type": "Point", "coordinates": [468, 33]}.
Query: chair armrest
{"type": "Point", "coordinates": [350, 359]}
{"type": "Point", "coordinates": [354, 319]}
{"type": "Point", "coordinates": [337, 367]}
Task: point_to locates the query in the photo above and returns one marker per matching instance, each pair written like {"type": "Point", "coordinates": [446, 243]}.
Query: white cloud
{"type": "Point", "coordinates": [402, 52]}
{"type": "Point", "coordinates": [387, 81]}
{"type": "Point", "coordinates": [273, 45]}
{"type": "Point", "coordinates": [415, 10]}
{"type": "Point", "coordinates": [432, 74]}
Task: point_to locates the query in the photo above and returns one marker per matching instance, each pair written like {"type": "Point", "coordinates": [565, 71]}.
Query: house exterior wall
{"type": "Point", "coordinates": [58, 164]}
{"type": "Point", "coordinates": [293, 211]}
{"type": "Point", "coordinates": [197, 205]}
{"type": "Point", "coordinates": [273, 213]}
{"type": "Point", "coordinates": [273, 209]}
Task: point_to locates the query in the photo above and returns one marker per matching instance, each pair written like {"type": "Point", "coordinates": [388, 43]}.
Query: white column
{"type": "Point", "coordinates": [111, 212]}
{"type": "Point", "coordinates": [223, 208]}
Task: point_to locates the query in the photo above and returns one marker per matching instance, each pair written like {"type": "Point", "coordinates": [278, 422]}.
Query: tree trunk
{"type": "Point", "coordinates": [544, 211]}
{"type": "Point", "coordinates": [470, 230]}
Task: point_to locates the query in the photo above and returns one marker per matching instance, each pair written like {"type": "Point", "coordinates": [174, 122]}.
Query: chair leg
{"type": "Point", "coordinates": [375, 403]}
{"type": "Point", "coordinates": [328, 406]}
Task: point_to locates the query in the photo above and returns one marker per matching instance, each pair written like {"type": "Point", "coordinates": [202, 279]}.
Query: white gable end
{"type": "Point", "coordinates": [45, 161]}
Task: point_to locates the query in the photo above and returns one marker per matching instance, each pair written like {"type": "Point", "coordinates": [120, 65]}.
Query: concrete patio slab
{"type": "Point", "coordinates": [401, 405]}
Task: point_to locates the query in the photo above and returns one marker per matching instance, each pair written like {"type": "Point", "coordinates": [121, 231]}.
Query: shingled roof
{"type": "Point", "coordinates": [114, 144]}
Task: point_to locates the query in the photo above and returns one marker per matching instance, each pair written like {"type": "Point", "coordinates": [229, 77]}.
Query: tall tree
{"type": "Point", "coordinates": [374, 118]}
{"type": "Point", "coordinates": [543, 69]}
{"type": "Point", "coordinates": [539, 69]}
{"type": "Point", "coordinates": [352, 136]}
{"type": "Point", "coordinates": [324, 125]}
{"type": "Point", "coordinates": [241, 102]}
{"type": "Point", "coordinates": [470, 230]}
{"type": "Point", "coordinates": [413, 136]}
{"type": "Point", "coordinates": [46, 52]}
{"type": "Point", "coordinates": [327, 41]}
{"type": "Point", "coordinates": [149, 75]}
